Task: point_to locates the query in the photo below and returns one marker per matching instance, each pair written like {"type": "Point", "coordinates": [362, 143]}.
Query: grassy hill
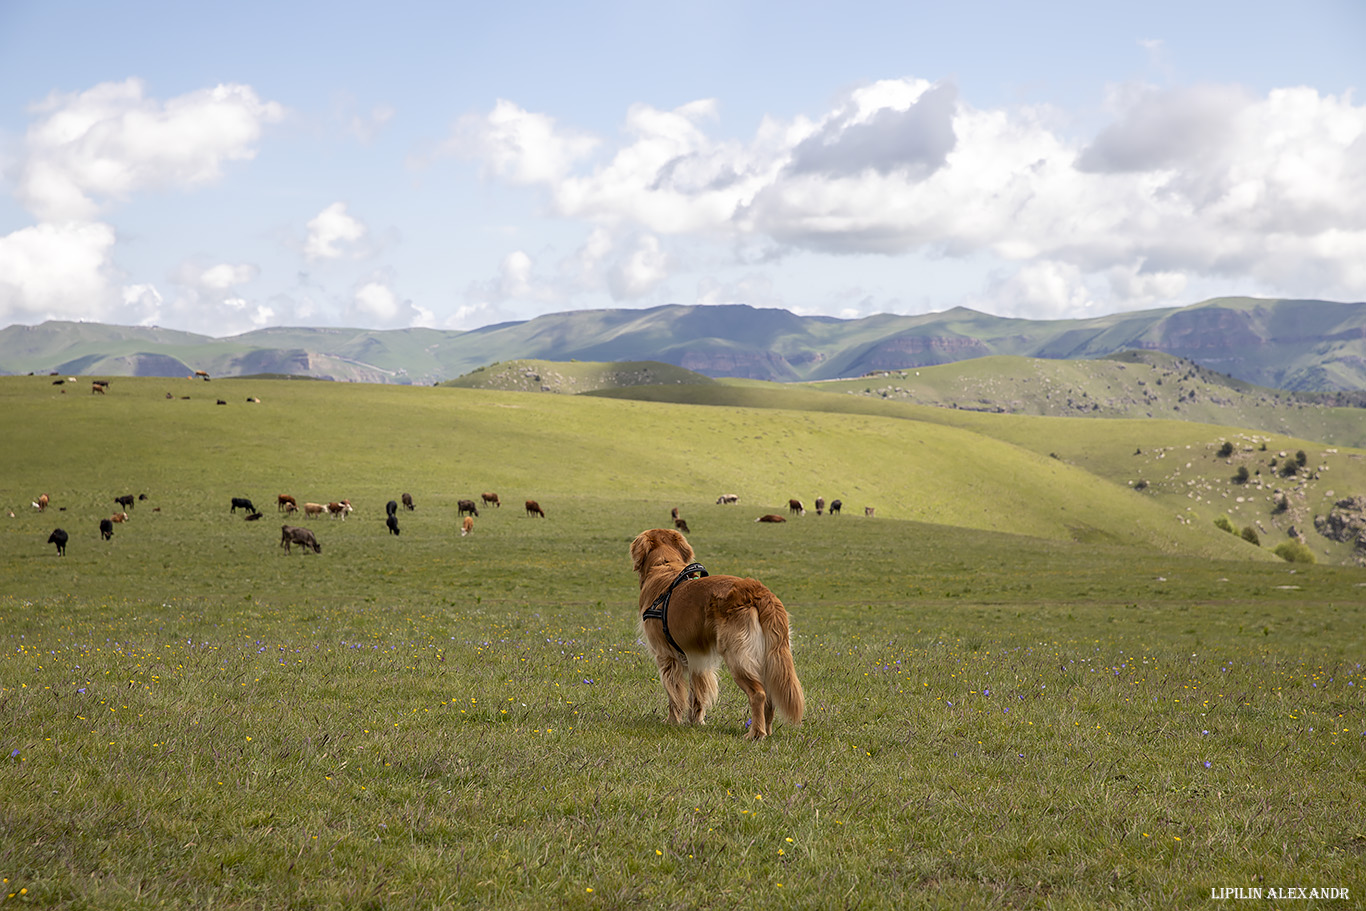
{"type": "Point", "coordinates": [1027, 684]}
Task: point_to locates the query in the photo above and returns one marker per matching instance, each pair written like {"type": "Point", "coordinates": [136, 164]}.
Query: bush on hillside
{"type": "Point", "coordinates": [1282, 505]}
{"type": "Point", "coordinates": [1225, 524]}
{"type": "Point", "coordinates": [1289, 467]}
{"type": "Point", "coordinates": [1226, 450]}
{"type": "Point", "coordinates": [1301, 458]}
{"type": "Point", "coordinates": [1294, 551]}
{"type": "Point", "coordinates": [1240, 476]}
{"type": "Point", "coordinates": [1250, 536]}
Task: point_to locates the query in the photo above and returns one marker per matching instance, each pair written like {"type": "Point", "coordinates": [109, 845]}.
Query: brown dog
{"type": "Point", "coordinates": [708, 620]}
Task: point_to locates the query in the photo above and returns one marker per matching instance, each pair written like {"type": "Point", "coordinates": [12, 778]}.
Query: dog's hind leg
{"type": "Point", "coordinates": [673, 673]}
{"type": "Point", "coordinates": [760, 707]}
{"type": "Point", "coordinates": [703, 690]}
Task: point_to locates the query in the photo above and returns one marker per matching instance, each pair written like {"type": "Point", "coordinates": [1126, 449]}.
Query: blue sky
{"type": "Point", "coordinates": [223, 168]}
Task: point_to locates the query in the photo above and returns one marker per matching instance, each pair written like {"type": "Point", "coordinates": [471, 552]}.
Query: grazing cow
{"type": "Point", "coordinates": [796, 508]}
{"type": "Point", "coordinates": [314, 509]}
{"type": "Point", "coordinates": [41, 505]}
{"type": "Point", "coordinates": [292, 534]}
{"type": "Point", "coordinates": [491, 497]}
{"type": "Point", "coordinates": [97, 387]}
{"type": "Point", "coordinates": [119, 517]}
{"type": "Point", "coordinates": [770, 518]}
{"type": "Point", "coordinates": [868, 511]}
{"type": "Point", "coordinates": [291, 507]}
{"type": "Point", "coordinates": [126, 501]}
{"type": "Point", "coordinates": [835, 506]}
{"type": "Point", "coordinates": [242, 503]}
{"type": "Point", "coordinates": [681, 525]}
{"type": "Point", "coordinates": [407, 499]}
{"type": "Point", "coordinates": [339, 509]}
{"type": "Point", "coordinates": [534, 509]}
{"type": "Point", "coordinates": [253, 399]}
{"type": "Point", "coordinates": [466, 526]}
{"type": "Point", "coordinates": [820, 505]}
{"type": "Point", "coordinates": [202, 374]}
{"type": "Point", "coordinates": [106, 529]}
{"type": "Point", "coordinates": [728, 499]}
{"type": "Point", "coordinates": [391, 522]}
{"type": "Point", "coordinates": [466, 506]}
{"type": "Point", "coordinates": [391, 508]}
{"type": "Point", "coordinates": [674, 513]}
{"type": "Point", "coordinates": [221, 402]}
{"type": "Point", "coordinates": [58, 537]}
{"type": "Point", "coordinates": [284, 500]}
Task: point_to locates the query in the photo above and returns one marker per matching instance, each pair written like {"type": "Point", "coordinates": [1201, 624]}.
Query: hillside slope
{"type": "Point", "coordinates": [562, 448]}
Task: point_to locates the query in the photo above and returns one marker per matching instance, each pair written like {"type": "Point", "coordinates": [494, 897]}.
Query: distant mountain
{"type": "Point", "coordinates": [1302, 345]}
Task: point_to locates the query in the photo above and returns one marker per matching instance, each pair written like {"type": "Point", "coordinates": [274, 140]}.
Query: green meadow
{"type": "Point", "coordinates": [1028, 684]}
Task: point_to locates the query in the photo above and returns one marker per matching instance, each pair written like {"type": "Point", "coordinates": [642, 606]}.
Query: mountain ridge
{"type": "Point", "coordinates": [1297, 345]}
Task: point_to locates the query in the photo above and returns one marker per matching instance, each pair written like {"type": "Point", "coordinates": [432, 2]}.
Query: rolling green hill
{"type": "Point", "coordinates": [573, 377]}
{"type": "Point", "coordinates": [1284, 344]}
{"type": "Point", "coordinates": [1047, 478]}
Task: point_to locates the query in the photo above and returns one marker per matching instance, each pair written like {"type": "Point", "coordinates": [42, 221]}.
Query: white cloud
{"type": "Point", "coordinates": [56, 271]}
{"type": "Point", "coordinates": [1184, 187]}
{"type": "Point", "coordinates": [110, 141]}
{"type": "Point", "coordinates": [332, 232]}
{"type": "Point", "coordinates": [374, 302]}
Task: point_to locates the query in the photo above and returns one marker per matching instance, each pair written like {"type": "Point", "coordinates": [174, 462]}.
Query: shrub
{"type": "Point", "coordinates": [1224, 523]}
{"type": "Point", "coordinates": [1301, 458]}
{"type": "Point", "coordinates": [1226, 450]}
{"type": "Point", "coordinates": [1240, 476]}
{"type": "Point", "coordinates": [1282, 505]}
{"type": "Point", "coordinates": [1289, 467]}
{"type": "Point", "coordinates": [1294, 551]}
{"type": "Point", "coordinates": [1250, 536]}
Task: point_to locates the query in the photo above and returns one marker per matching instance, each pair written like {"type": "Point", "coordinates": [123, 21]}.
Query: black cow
{"type": "Point", "coordinates": [292, 534]}
{"type": "Point", "coordinates": [126, 501]}
{"type": "Point", "coordinates": [391, 508]}
{"type": "Point", "coordinates": [392, 523]}
{"type": "Point", "coordinates": [58, 537]}
{"type": "Point", "coordinates": [407, 499]}
{"type": "Point", "coordinates": [835, 506]}
{"type": "Point", "coordinates": [106, 529]}
{"type": "Point", "coordinates": [466, 506]}
{"type": "Point", "coordinates": [242, 503]}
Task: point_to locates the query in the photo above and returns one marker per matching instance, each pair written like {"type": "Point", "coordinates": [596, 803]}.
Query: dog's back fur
{"type": "Point", "coordinates": [715, 620]}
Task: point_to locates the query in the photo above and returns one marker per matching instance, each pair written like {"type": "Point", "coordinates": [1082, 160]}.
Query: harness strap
{"type": "Point", "coordinates": [659, 608]}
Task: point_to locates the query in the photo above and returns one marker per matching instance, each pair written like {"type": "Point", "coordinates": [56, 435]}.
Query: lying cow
{"type": "Point", "coordinates": [727, 498]}
{"type": "Point", "coordinates": [771, 517]}
{"type": "Point", "coordinates": [292, 534]}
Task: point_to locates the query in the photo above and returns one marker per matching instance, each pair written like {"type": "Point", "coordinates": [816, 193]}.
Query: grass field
{"type": "Point", "coordinates": [191, 718]}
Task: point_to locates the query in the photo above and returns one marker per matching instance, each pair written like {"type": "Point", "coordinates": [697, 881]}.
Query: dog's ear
{"type": "Point", "coordinates": [640, 550]}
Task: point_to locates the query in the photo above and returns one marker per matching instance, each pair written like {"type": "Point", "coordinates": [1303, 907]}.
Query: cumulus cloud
{"type": "Point", "coordinates": [1189, 185]}
{"type": "Point", "coordinates": [57, 271]}
{"type": "Point", "coordinates": [111, 141]}
{"type": "Point", "coordinates": [374, 302]}
{"type": "Point", "coordinates": [332, 233]}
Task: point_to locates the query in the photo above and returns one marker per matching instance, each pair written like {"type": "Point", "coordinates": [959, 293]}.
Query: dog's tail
{"type": "Point", "coordinates": [780, 674]}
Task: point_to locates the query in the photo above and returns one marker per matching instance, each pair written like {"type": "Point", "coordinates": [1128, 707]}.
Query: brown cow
{"type": "Point", "coordinates": [119, 517]}
{"type": "Point", "coordinates": [770, 518]}
{"type": "Point", "coordinates": [284, 500]}
{"type": "Point", "coordinates": [868, 511]}
{"type": "Point", "coordinates": [796, 508]}
{"type": "Point", "coordinates": [467, 526]}
{"type": "Point", "coordinates": [534, 509]}
{"type": "Point", "coordinates": [820, 505]}
{"type": "Point", "coordinates": [407, 499]}
{"type": "Point", "coordinates": [339, 509]}
{"type": "Point", "coordinates": [681, 525]}
{"type": "Point", "coordinates": [314, 509]}
{"type": "Point", "coordinates": [491, 498]}
{"type": "Point", "coordinates": [41, 505]}
{"type": "Point", "coordinates": [97, 386]}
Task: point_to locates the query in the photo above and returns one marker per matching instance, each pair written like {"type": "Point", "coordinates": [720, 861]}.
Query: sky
{"type": "Point", "coordinates": [219, 168]}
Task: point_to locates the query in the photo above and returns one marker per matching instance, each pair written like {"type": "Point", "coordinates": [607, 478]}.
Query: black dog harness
{"type": "Point", "coordinates": [659, 609]}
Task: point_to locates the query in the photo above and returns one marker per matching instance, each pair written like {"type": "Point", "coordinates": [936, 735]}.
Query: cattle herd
{"type": "Point", "coordinates": [466, 511]}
